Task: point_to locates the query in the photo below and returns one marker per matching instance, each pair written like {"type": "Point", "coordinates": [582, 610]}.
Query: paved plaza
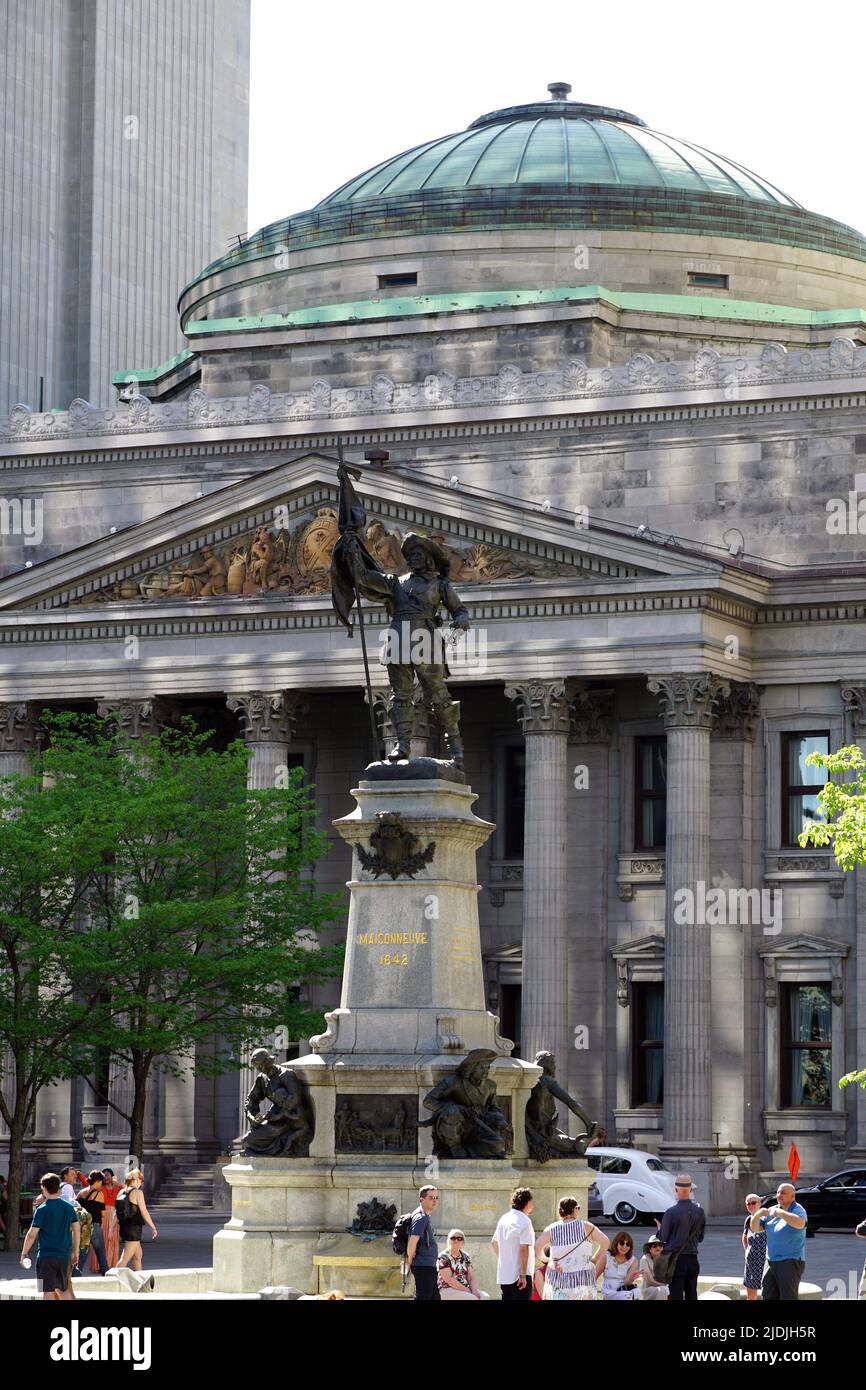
{"type": "Point", "coordinates": [185, 1241]}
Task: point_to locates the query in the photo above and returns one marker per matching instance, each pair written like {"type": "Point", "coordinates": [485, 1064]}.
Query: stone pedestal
{"type": "Point", "coordinates": [412, 1008]}
{"type": "Point", "coordinates": [290, 1219]}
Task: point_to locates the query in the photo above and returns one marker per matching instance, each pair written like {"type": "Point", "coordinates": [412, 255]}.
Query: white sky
{"type": "Point", "coordinates": [335, 88]}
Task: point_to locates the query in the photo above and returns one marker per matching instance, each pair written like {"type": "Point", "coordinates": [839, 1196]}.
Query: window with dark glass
{"type": "Point", "coordinates": [806, 1045]}
{"type": "Point", "coordinates": [801, 783]}
{"type": "Point", "coordinates": [708, 280]}
{"type": "Point", "coordinates": [647, 1044]}
{"type": "Point", "coordinates": [515, 800]}
{"type": "Point", "coordinates": [650, 792]}
{"type": "Point", "coordinates": [403, 277]}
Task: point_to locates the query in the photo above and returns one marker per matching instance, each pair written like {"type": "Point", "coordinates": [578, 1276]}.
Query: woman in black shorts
{"type": "Point", "coordinates": [133, 1220]}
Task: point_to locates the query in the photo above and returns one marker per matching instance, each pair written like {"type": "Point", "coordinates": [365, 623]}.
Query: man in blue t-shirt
{"type": "Point", "coordinates": [55, 1223]}
{"type": "Point", "coordinates": [785, 1226]}
{"type": "Point", "coordinates": [422, 1253]}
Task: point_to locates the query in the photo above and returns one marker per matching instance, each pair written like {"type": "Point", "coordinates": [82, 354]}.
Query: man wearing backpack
{"type": "Point", "coordinates": [422, 1253]}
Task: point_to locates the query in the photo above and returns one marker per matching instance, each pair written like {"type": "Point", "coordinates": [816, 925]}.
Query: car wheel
{"type": "Point", "coordinates": [624, 1214]}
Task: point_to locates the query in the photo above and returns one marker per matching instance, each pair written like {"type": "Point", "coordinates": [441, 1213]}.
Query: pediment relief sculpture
{"type": "Point", "coordinates": [297, 561]}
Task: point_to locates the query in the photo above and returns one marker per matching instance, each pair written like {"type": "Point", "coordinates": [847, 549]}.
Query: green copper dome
{"type": "Point", "coordinates": [563, 144]}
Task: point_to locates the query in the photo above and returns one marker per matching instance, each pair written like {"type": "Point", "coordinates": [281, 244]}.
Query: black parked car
{"type": "Point", "coordinates": [839, 1201]}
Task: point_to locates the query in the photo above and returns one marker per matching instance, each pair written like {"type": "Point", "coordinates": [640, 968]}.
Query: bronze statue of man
{"type": "Point", "coordinates": [414, 644]}
{"type": "Point", "coordinates": [286, 1129]}
{"type": "Point", "coordinates": [467, 1122]}
{"type": "Point", "coordinates": [543, 1137]}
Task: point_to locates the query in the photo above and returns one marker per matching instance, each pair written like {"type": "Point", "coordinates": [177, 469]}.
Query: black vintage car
{"type": "Point", "coordinates": [838, 1202]}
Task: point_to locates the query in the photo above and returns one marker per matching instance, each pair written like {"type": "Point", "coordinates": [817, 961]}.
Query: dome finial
{"type": "Point", "coordinates": [559, 90]}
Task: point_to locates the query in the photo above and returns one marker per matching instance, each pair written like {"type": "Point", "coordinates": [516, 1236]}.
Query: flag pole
{"type": "Point", "coordinates": [362, 630]}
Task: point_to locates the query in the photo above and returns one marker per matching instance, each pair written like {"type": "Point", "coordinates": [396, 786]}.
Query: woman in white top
{"type": "Point", "coordinates": [651, 1290]}
{"type": "Point", "coordinates": [620, 1271]}
{"type": "Point", "coordinates": [573, 1269]}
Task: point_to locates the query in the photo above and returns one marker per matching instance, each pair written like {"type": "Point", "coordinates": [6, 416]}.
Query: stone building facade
{"type": "Point", "coordinates": [630, 399]}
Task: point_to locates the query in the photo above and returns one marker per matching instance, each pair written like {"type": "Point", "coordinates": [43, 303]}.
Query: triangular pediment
{"type": "Point", "coordinates": [806, 946]}
{"type": "Point", "coordinates": [272, 534]}
{"type": "Point", "coordinates": [649, 947]}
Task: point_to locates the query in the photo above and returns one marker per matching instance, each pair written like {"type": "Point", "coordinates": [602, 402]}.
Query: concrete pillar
{"type": "Point", "coordinates": [544, 711]}
{"type": "Point", "coordinates": [688, 703]}
{"type": "Point", "coordinates": [736, 1042]}
{"type": "Point", "coordinates": [19, 737]}
{"type": "Point", "coordinates": [268, 721]}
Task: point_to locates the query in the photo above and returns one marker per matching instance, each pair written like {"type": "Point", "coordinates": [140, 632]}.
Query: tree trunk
{"type": "Point", "coordinates": [140, 1075]}
{"type": "Point", "coordinates": [16, 1169]}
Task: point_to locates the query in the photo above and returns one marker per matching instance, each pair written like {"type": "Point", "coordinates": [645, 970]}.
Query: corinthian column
{"type": "Point", "coordinates": [19, 737]}
{"type": "Point", "coordinates": [544, 711]}
{"type": "Point", "coordinates": [268, 720]}
{"type": "Point", "coordinates": [138, 718]}
{"type": "Point", "coordinates": [854, 700]}
{"type": "Point", "coordinates": [688, 705]}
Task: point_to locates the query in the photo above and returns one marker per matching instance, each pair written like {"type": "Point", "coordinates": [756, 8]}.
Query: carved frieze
{"type": "Point", "coordinates": [439, 390]}
{"type": "Point", "coordinates": [297, 561]}
{"type": "Point", "coordinates": [367, 1123]}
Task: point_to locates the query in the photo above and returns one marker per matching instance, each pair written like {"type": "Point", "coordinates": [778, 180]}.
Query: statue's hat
{"type": "Point", "coordinates": [432, 548]}
{"type": "Point", "coordinates": [480, 1054]}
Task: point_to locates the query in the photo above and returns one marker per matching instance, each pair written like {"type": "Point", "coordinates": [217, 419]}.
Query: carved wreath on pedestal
{"type": "Point", "coordinates": [394, 851]}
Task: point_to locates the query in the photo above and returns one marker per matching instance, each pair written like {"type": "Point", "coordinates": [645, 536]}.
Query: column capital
{"type": "Point", "coordinates": [268, 716]}
{"type": "Point", "coordinates": [543, 707]}
{"type": "Point", "coordinates": [20, 729]}
{"type": "Point", "coordinates": [854, 699]}
{"type": "Point", "coordinates": [383, 699]}
{"type": "Point", "coordinates": [135, 718]}
{"type": "Point", "coordinates": [591, 715]}
{"type": "Point", "coordinates": [739, 711]}
{"type": "Point", "coordinates": [688, 701]}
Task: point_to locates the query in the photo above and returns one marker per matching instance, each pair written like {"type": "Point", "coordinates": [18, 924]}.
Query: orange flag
{"type": "Point", "coordinates": [793, 1162]}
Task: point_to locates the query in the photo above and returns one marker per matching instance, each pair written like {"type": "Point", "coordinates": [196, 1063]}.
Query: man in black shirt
{"type": "Point", "coordinates": [682, 1228]}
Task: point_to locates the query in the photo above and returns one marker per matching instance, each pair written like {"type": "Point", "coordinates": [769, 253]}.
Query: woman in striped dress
{"type": "Point", "coordinates": [572, 1272]}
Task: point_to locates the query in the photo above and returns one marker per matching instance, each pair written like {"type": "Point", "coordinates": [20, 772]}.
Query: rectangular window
{"type": "Point", "coordinates": [708, 281]}
{"type": "Point", "coordinates": [647, 1044]}
{"type": "Point", "coordinates": [801, 783]}
{"type": "Point", "coordinates": [402, 277]}
{"type": "Point", "coordinates": [515, 800]}
{"type": "Point", "coordinates": [806, 1046]}
{"type": "Point", "coordinates": [650, 792]}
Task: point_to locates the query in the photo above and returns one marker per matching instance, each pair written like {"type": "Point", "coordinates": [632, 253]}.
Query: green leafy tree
{"type": "Point", "coordinates": [46, 861]}
{"type": "Point", "coordinates": [842, 805]}
{"type": "Point", "coordinates": [194, 916]}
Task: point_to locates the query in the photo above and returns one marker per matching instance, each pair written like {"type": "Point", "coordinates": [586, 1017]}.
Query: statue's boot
{"type": "Point", "coordinates": [403, 719]}
{"type": "Point", "coordinates": [449, 717]}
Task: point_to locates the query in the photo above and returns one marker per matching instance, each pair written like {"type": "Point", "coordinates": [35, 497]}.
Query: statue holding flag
{"type": "Point", "coordinates": [414, 642]}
